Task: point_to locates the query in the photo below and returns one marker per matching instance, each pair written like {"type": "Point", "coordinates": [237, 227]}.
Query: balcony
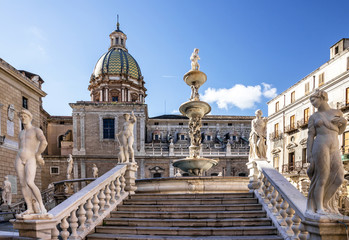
{"type": "Point", "coordinates": [303, 123]}
{"type": "Point", "coordinates": [274, 136]}
{"type": "Point", "coordinates": [343, 106]}
{"type": "Point", "coordinates": [290, 128]}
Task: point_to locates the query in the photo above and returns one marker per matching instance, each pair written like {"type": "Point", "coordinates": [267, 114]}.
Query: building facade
{"type": "Point", "coordinates": [288, 113]}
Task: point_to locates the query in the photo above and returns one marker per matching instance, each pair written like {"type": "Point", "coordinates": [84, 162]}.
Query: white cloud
{"type": "Point", "coordinates": [175, 112]}
{"type": "Point", "coordinates": [268, 91]}
{"type": "Point", "coordinates": [243, 97]}
{"type": "Point", "coordinates": [168, 76]}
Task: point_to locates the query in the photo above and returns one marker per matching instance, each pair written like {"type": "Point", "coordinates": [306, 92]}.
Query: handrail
{"type": "Point", "coordinates": [284, 204]}
{"type": "Point", "coordinates": [78, 215]}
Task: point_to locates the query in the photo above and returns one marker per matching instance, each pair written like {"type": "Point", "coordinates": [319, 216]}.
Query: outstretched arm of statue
{"type": "Point", "coordinates": [43, 144]}
{"type": "Point", "coordinates": [134, 119]}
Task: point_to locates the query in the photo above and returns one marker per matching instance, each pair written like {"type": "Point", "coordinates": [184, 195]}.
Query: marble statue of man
{"type": "Point", "coordinates": [32, 143]}
{"type": "Point", "coordinates": [95, 171]}
{"type": "Point", "coordinates": [258, 147]}
{"type": "Point", "coordinates": [194, 58]}
{"type": "Point", "coordinates": [70, 167]}
{"type": "Point", "coordinates": [6, 192]}
{"type": "Point", "coordinates": [127, 137]}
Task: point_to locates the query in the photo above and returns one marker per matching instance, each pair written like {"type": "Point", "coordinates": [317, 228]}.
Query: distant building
{"type": "Point", "coordinates": [288, 113]}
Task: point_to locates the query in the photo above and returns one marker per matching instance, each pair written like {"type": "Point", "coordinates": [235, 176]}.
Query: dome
{"type": "Point", "coordinates": [117, 61]}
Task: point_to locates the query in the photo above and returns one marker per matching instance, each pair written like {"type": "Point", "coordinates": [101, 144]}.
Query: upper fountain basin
{"type": "Point", "coordinates": [195, 109]}
{"type": "Point", "coordinates": [195, 77]}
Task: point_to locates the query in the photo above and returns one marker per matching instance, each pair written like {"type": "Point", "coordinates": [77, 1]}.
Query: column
{"type": "Point", "coordinates": [101, 95]}
{"type": "Point", "coordinates": [171, 169]}
{"type": "Point", "coordinates": [82, 133]}
{"type": "Point", "coordinates": [106, 94]}
{"type": "Point", "coordinates": [142, 134]}
{"type": "Point", "coordinates": [75, 133]}
{"type": "Point", "coordinates": [142, 169]}
{"type": "Point", "coordinates": [82, 171]}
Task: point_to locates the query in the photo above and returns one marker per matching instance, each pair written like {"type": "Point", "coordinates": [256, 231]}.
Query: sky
{"type": "Point", "coordinates": [250, 50]}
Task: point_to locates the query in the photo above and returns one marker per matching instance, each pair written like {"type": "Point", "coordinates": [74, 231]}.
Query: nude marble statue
{"type": "Point", "coordinates": [32, 143]}
{"type": "Point", "coordinates": [194, 58]}
{"type": "Point", "coordinates": [70, 167]}
{"type": "Point", "coordinates": [6, 192]}
{"type": "Point", "coordinates": [326, 170]}
{"type": "Point", "coordinates": [258, 147]}
{"type": "Point", "coordinates": [127, 138]}
{"type": "Point", "coordinates": [95, 171]}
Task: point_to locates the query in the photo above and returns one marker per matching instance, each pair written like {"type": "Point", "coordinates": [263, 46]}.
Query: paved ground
{"type": "Point", "coordinates": [6, 230]}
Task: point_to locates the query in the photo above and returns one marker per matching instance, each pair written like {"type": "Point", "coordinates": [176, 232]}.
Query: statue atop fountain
{"type": "Point", "coordinates": [195, 110]}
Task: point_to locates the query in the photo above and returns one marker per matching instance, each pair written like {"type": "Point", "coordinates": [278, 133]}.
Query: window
{"type": "Point", "coordinates": [108, 128]}
{"type": "Point", "coordinates": [306, 88]}
{"type": "Point", "coordinates": [348, 63]}
{"type": "Point", "coordinates": [205, 124]}
{"type": "Point", "coordinates": [157, 175]}
{"type": "Point", "coordinates": [346, 143]}
{"type": "Point", "coordinates": [292, 125]}
{"type": "Point", "coordinates": [60, 139]}
{"type": "Point", "coordinates": [54, 170]}
{"type": "Point", "coordinates": [291, 161]}
{"type": "Point", "coordinates": [347, 96]}
{"type": "Point", "coordinates": [277, 107]}
{"type": "Point", "coordinates": [336, 50]}
{"type": "Point", "coordinates": [208, 137]}
{"type": "Point", "coordinates": [313, 82]}
{"type": "Point", "coordinates": [276, 129]}
{"type": "Point", "coordinates": [230, 124]}
{"type": "Point", "coordinates": [156, 123]}
{"type": "Point", "coordinates": [116, 40]}
{"type": "Point", "coordinates": [122, 41]}
{"type": "Point", "coordinates": [25, 102]}
{"type": "Point", "coordinates": [156, 137]}
{"type": "Point", "coordinates": [306, 115]}
{"type": "Point", "coordinates": [180, 124]}
{"type": "Point", "coordinates": [293, 96]}
{"type": "Point", "coordinates": [276, 162]}
{"type": "Point", "coordinates": [182, 137]}
{"type": "Point", "coordinates": [114, 99]}
{"type": "Point", "coordinates": [321, 79]}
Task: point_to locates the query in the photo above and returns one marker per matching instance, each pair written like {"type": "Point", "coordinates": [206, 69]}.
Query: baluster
{"type": "Point", "coordinates": [101, 198]}
{"type": "Point", "coordinates": [260, 182]}
{"type": "Point", "coordinates": [112, 192]}
{"type": "Point", "coordinates": [263, 188]}
{"type": "Point", "coordinates": [64, 226]}
{"type": "Point", "coordinates": [295, 227]}
{"type": "Point", "coordinates": [278, 205]}
{"type": "Point", "coordinates": [283, 214]}
{"type": "Point", "coordinates": [266, 191]}
{"type": "Point", "coordinates": [54, 233]}
{"type": "Point", "coordinates": [95, 202]}
{"type": "Point", "coordinates": [89, 212]}
{"type": "Point", "coordinates": [73, 224]}
{"type": "Point", "coordinates": [82, 217]}
{"type": "Point", "coordinates": [118, 188]}
{"type": "Point", "coordinates": [107, 197]}
{"type": "Point", "coordinates": [289, 221]}
{"type": "Point", "coordinates": [273, 201]}
{"type": "Point", "coordinates": [269, 197]}
{"type": "Point", "coordinates": [122, 183]}
{"type": "Point", "coordinates": [303, 235]}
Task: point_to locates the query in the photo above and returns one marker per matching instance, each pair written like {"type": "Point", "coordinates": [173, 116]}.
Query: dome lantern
{"type": "Point", "coordinates": [118, 38]}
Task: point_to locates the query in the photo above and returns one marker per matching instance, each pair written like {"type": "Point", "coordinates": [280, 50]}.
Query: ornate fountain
{"type": "Point", "coordinates": [195, 110]}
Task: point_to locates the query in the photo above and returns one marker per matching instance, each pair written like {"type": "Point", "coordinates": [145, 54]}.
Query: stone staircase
{"type": "Point", "coordinates": [188, 216]}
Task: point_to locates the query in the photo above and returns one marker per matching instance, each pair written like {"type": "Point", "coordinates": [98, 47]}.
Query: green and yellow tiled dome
{"type": "Point", "coordinates": [117, 61]}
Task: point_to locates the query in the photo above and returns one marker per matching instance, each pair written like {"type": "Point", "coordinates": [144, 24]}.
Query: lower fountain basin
{"type": "Point", "coordinates": [190, 165]}
{"type": "Point", "coordinates": [195, 109]}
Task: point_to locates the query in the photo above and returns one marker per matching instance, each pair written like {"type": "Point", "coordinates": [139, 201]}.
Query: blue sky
{"type": "Point", "coordinates": [249, 49]}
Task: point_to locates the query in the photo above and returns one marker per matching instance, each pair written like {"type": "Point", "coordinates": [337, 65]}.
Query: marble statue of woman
{"type": "Point", "coordinates": [258, 147]}
{"type": "Point", "coordinates": [194, 58]}
{"type": "Point", "coordinates": [7, 192]}
{"type": "Point", "coordinates": [70, 166]}
{"type": "Point", "coordinates": [32, 143]}
{"type": "Point", "coordinates": [326, 171]}
{"type": "Point", "coordinates": [127, 137]}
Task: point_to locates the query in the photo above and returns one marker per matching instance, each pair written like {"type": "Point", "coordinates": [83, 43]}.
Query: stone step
{"type": "Point", "coordinates": [192, 196]}
{"type": "Point", "coordinates": [187, 201]}
{"type": "Point", "coordinates": [189, 231]}
{"type": "Point", "coordinates": [228, 222]}
{"type": "Point", "coordinates": [101, 236]}
{"type": "Point", "coordinates": [192, 208]}
{"type": "Point", "coordinates": [188, 214]}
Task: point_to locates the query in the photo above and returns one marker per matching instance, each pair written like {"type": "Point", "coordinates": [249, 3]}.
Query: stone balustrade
{"type": "Point", "coordinates": [283, 202]}
{"type": "Point", "coordinates": [83, 211]}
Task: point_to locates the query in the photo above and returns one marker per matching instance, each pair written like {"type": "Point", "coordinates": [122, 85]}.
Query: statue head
{"type": "Point", "coordinates": [258, 113]}
{"type": "Point", "coordinates": [127, 116]}
{"type": "Point", "coordinates": [25, 116]}
{"type": "Point", "coordinates": [320, 94]}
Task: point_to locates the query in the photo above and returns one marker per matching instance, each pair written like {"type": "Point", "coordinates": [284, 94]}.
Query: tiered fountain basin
{"type": "Point", "coordinates": [188, 164]}
{"type": "Point", "coordinates": [195, 76]}
{"type": "Point", "coordinates": [193, 109]}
